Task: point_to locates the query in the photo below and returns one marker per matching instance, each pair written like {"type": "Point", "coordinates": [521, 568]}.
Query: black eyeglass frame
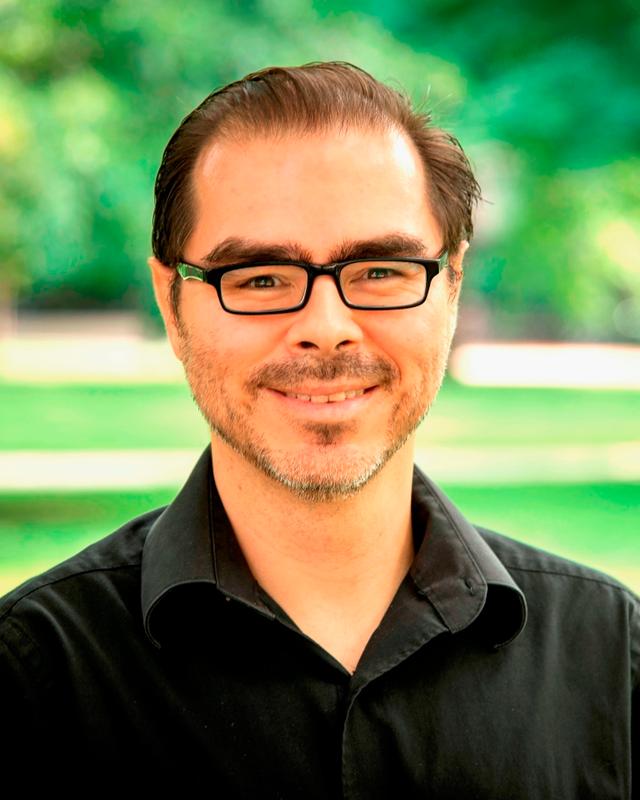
{"type": "Point", "coordinates": [213, 277]}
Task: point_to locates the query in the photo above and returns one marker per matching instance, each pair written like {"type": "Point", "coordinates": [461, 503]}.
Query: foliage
{"type": "Point", "coordinates": [544, 96]}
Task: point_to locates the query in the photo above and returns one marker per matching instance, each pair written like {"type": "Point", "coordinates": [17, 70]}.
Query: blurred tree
{"type": "Point", "coordinates": [552, 119]}
{"type": "Point", "coordinates": [91, 92]}
{"type": "Point", "coordinates": [544, 96]}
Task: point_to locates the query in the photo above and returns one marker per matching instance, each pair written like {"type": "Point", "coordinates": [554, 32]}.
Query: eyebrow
{"type": "Point", "coordinates": [235, 250]}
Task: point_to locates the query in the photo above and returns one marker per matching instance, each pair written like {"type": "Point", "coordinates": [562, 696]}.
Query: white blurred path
{"type": "Point", "coordinates": [95, 470]}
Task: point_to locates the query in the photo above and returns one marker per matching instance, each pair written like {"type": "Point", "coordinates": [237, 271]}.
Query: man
{"type": "Point", "coordinates": [311, 617]}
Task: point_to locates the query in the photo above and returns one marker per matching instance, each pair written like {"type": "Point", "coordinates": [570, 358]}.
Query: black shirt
{"type": "Point", "coordinates": [153, 658]}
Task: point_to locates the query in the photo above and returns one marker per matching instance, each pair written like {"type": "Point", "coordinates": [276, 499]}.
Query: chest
{"type": "Point", "coordinates": [451, 720]}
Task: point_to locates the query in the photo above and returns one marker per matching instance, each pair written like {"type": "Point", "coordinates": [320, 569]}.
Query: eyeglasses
{"type": "Point", "coordinates": [273, 287]}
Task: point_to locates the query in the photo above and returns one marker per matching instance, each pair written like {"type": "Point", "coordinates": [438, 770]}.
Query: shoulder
{"type": "Point", "coordinates": [68, 629]}
{"type": "Point", "coordinates": [572, 602]}
{"type": "Point", "coordinates": [103, 573]}
{"type": "Point", "coordinates": [532, 564]}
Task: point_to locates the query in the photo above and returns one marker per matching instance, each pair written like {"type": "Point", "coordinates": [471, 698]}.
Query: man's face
{"type": "Point", "coordinates": [318, 399]}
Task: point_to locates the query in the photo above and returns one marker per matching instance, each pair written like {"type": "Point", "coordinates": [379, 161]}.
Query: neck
{"type": "Point", "coordinates": [333, 566]}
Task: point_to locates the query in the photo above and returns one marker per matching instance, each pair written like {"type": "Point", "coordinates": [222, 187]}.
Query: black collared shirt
{"type": "Point", "coordinates": [153, 659]}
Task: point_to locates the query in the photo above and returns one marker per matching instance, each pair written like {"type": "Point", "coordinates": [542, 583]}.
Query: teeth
{"type": "Point", "coordinates": [327, 398]}
{"type": "Point", "coordinates": [298, 396]}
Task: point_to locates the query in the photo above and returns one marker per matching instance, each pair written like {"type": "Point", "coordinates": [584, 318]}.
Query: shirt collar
{"type": "Point", "coordinates": [458, 571]}
{"type": "Point", "coordinates": [178, 550]}
{"type": "Point", "coordinates": [191, 543]}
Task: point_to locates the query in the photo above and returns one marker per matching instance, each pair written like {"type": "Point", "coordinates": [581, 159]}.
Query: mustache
{"type": "Point", "coordinates": [345, 365]}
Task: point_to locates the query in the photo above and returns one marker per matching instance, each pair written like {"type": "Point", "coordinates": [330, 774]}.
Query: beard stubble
{"type": "Point", "coordinates": [318, 472]}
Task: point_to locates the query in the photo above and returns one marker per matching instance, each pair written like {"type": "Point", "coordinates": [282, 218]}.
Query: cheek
{"type": "Point", "coordinates": [419, 347]}
{"type": "Point", "coordinates": [406, 337]}
{"type": "Point", "coordinates": [228, 346]}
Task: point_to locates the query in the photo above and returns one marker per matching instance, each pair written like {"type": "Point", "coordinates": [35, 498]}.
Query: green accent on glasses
{"type": "Point", "coordinates": [276, 287]}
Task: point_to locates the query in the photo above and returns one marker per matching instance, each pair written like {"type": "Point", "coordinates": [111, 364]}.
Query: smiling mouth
{"type": "Point", "coordinates": [338, 397]}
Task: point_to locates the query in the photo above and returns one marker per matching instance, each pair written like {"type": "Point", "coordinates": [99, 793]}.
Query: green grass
{"type": "Point", "coordinates": [87, 417]}
{"type": "Point", "coordinates": [596, 524]}
{"type": "Point", "coordinates": [84, 417]}
{"type": "Point", "coordinates": [466, 415]}
{"type": "Point", "coordinates": [37, 531]}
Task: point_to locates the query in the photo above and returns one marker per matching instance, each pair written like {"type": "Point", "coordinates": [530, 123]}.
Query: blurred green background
{"type": "Point", "coordinates": [545, 99]}
{"type": "Point", "coordinates": [544, 95]}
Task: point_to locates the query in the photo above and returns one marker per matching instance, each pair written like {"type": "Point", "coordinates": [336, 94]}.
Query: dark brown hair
{"type": "Point", "coordinates": [315, 97]}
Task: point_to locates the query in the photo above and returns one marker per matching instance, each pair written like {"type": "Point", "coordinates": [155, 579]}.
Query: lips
{"type": "Point", "coordinates": [337, 397]}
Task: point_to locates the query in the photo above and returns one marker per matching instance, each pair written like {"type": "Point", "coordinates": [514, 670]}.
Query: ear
{"type": "Point", "coordinates": [162, 278]}
{"type": "Point", "coordinates": [455, 275]}
{"type": "Point", "coordinates": [456, 258]}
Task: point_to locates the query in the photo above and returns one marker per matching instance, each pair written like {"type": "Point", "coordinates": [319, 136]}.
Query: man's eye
{"type": "Point", "coordinates": [245, 281]}
{"type": "Point", "coordinates": [373, 274]}
{"type": "Point", "coordinates": [262, 282]}
{"type": "Point", "coordinates": [376, 273]}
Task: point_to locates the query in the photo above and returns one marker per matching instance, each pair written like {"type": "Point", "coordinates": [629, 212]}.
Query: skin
{"type": "Point", "coordinates": [318, 493]}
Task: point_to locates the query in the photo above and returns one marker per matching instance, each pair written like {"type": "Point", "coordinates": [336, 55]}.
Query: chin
{"type": "Point", "coordinates": [318, 479]}
{"type": "Point", "coordinates": [319, 472]}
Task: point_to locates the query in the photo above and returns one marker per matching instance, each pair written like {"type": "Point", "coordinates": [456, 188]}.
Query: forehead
{"type": "Point", "coordinates": [319, 189]}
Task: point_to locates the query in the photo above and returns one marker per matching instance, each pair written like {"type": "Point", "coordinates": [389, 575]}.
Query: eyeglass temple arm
{"type": "Point", "coordinates": [187, 272]}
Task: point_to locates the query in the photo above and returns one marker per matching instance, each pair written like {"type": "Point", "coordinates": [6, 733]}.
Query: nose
{"type": "Point", "coordinates": [325, 324]}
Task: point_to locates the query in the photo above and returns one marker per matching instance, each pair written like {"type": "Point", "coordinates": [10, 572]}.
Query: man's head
{"type": "Point", "coordinates": [313, 98]}
{"type": "Point", "coordinates": [314, 164]}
